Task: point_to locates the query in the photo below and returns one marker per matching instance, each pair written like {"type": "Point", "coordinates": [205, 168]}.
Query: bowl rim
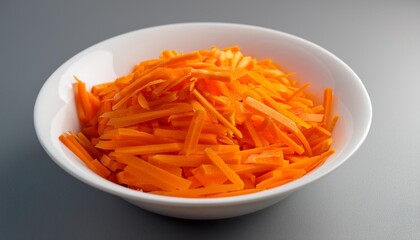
{"type": "Point", "coordinates": [124, 192]}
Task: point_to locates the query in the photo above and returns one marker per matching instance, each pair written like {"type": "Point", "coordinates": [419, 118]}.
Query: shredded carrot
{"type": "Point", "coordinates": [327, 105]}
{"type": "Point", "coordinates": [209, 123]}
{"type": "Point", "coordinates": [150, 149]}
{"type": "Point", "coordinates": [194, 131]}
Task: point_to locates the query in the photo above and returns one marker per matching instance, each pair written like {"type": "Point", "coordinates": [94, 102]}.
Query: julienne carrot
{"type": "Point", "coordinates": [209, 123]}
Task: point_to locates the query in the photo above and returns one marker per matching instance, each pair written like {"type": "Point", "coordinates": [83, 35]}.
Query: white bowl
{"type": "Point", "coordinates": [55, 113]}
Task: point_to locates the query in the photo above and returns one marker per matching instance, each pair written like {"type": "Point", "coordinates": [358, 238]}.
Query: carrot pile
{"type": "Point", "coordinates": [209, 123]}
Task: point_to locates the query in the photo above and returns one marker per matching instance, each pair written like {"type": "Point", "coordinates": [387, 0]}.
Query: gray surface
{"type": "Point", "coordinates": [375, 195]}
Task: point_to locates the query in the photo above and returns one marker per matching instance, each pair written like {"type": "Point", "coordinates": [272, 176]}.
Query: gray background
{"type": "Point", "coordinates": [374, 195]}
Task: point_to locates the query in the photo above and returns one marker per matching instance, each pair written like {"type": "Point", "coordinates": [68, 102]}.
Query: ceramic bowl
{"type": "Point", "coordinates": [55, 113]}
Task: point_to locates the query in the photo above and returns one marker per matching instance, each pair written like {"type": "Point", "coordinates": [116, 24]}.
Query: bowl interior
{"type": "Point", "coordinates": [55, 112]}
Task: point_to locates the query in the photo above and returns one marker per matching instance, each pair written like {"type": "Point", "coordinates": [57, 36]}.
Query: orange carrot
{"type": "Point", "coordinates": [254, 134]}
{"type": "Point", "coordinates": [147, 116]}
{"type": "Point", "coordinates": [194, 160]}
{"type": "Point", "coordinates": [327, 106]}
{"type": "Point", "coordinates": [100, 169]}
{"type": "Point", "coordinates": [334, 120]}
{"type": "Point", "coordinates": [201, 192]}
{"type": "Point", "coordinates": [209, 123]}
{"type": "Point", "coordinates": [209, 175]}
{"type": "Point", "coordinates": [213, 75]}
{"type": "Point", "coordinates": [150, 149]}
{"type": "Point", "coordinates": [194, 131]}
{"type": "Point", "coordinates": [272, 157]}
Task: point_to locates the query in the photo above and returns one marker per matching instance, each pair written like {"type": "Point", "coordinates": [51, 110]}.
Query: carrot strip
{"type": "Point", "coordinates": [194, 131]}
{"type": "Point", "coordinates": [84, 99]}
{"type": "Point", "coordinates": [123, 112]}
{"type": "Point", "coordinates": [142, 101]}
{"type": "Point", "coordinates": [183, 58]}
{"type": "Point", "coordinates": [327, 106]}
{"type": "Point", "coordinates": [177, 171]}
{"type": "Point", "coordinates": [218, 148]}
{"type": "Point", "coordinates": [79, 107]}
{"type": "Point", "coordinates": [194, 160]}
{"type": "Point", "coordinates": [272, 157]}
{"type": "Point", "coordinates": [201, 192]}
{"type": "Point", "coordinates": [179, 160]}
{"type": "Point", "coordinates": [113, 144]}
{"type": "Point", "coordinates": [147, 116]}
{"type": "Point", "coordinates": [180, 135]}
{"type": "Point", "coordinates": [134, 182]}
{"type": "Point", "coordinates": [212, 75]}
{"type": "Point", "coordinates": [209, 175]}
{"type": "Point", "coordinates": [254, 134]}
{"type": "Point", "coordinates": [305, 142]}
{"type": "Point", "coordinates": [271, 183]}
{"type": "Point", "coordinates": [333, 122]}
{"type": "Point", "coordinates": [311, 117]}
{"type": "Point", "coordinates": [149, 149]}
{"type": "Point", "coordinates": [122, 134]}
{"type": "Point", "coordinates": [100, 169]}
{"type": "Point", "coordinates": [251, 168]}
{"type": "Point", "coordinates": [235, 193]}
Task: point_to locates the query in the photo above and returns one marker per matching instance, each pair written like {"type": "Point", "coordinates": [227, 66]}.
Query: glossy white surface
{"type": "Point", "coordinates": [55, 113]}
